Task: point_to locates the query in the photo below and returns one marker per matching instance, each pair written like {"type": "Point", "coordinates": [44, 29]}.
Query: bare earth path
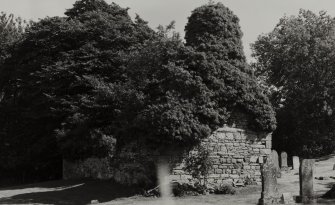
{"type": "Point", "coordinates": [82, 192]}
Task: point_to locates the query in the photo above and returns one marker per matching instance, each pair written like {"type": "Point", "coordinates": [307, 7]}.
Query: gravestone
{"type": "Point", "coordinates": [270, 193]}
{"type": "Point", "coordinates": [283, 160]}
{"type": "Point", "coordinates": [275, 160]}
{"type": "Point", "coordinates": [296, 163]}
{"type": "Point", "coordinates": [307, 181]}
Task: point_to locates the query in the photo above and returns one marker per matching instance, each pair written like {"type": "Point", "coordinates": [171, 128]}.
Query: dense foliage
{"type": "Point", "coordinates": [80, 85]}
{"type": "Point", "coordinates": [213, 31]}
{"type": "Point", "coordinates": [297, 60]}
{"type": "Point", "coordinates": [213, 28]}
{"type": "Point", "coordinates": [49, 84]}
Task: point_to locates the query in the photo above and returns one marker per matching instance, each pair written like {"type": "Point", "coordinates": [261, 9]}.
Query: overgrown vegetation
{"type": "Point", "coordinates": [214, 32]}
{"type": "Point", "coordinates": [73, 86]}
{"type": "Point", "coordinates": [196, 189]}
{"type": "Point", "coordinates": [198, 164]}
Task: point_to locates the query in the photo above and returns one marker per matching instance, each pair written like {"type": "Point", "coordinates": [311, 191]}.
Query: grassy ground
{"type": "Point", "coordinates": [82, 192]}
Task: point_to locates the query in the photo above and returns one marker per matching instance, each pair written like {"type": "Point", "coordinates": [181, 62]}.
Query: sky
{"type": "Point", "coordinates": [256, 16]}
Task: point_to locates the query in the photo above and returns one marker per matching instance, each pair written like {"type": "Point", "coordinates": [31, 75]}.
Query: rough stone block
{"type": "Point", "coordinates": [221, 153]}
{"type": "Point", "coordinates": [214, 176]}
{"type": "Point", "coordinates": [218, 171]}
{"type": "Point", "coordinates": [246, 167]}
{"type": "Point", "coordinates": [253, 159]}
{"type": "Point", "coordinates": [265, 151]}
{"type": "Point", "coordinates": [283, 160]}
{"type": "Point", "coordinates": [234, 176]}
{"type": "Point", "coordinates": [223, 149]}
{"type": "Point", "coordinates": [270, 193]}
{"type": "Point", "coordinates": [286, 198]}
{"type": "Point", "coordinates": [255, 150]}
{"type": "Point", "coordinates": [307, 181]}
{"type": "Point", "coordinates": [274, 156]}
{"type": "Point", "coordinates": [229, 136]}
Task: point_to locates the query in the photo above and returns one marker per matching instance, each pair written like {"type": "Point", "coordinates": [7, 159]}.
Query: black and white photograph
{"type": "Point", "coordinates": [178, 102]}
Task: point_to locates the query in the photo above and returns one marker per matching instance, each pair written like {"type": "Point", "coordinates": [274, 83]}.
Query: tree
{"type": "Point", "coordinates": [83, 6]}
{"type": "Point", "coordinates": [11, 29]}
{"type": "Point", "coordinates": [213, 31]}
{"type": "Point", "coordinates": [49, 87]}
{"type": "Point", "coordinates": [77, 86]}
{"type": "Point", "coordinates": [297, 59]}
{"type": "Point", "coordinates": [214, 28]}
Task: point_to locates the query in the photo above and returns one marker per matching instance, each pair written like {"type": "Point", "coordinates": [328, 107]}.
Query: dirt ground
{"type": "Point", "coordinates": [82, 192]}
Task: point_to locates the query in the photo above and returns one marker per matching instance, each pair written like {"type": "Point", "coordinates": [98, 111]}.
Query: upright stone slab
{"type": "Point", "coordinates": [296, 163]}
{"type": "Point", "coordinates": [270, 193]}
{"type": "Point", "coordinates": [286, 198]}
{"type": "Point", "coordinates": [307, 181]}
{"type": "Point", "coordinates": [283, 161]}
{"type": "Point", "coordinates": [275, 160]}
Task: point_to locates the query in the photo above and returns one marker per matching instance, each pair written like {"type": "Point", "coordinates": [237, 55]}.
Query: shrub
{"type": "Point", "coordinates": [188, 189]}
{"type": "Point", "coordinates": [225, 189]}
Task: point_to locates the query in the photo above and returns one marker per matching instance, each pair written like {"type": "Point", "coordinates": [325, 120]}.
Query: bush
{"type": "Point", "coordinates": [199, 189]}
{"type": "Point", "coordinates": [188, 189]}
{"type": "Point", "coordinates": [225, 189]}
{"type": "Point", "coordinates": [199, 164]}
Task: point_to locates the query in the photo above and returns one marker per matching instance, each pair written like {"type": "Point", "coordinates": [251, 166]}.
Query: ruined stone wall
{"type": "Point", "coordinates": [237, 155]}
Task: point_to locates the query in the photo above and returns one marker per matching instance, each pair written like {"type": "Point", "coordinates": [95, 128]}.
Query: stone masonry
{"type": "Point", "coordinates": [237, 155]}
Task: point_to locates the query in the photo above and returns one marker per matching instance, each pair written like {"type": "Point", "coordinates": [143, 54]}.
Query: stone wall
{"type": "Point", "coordinates": [237, 155]}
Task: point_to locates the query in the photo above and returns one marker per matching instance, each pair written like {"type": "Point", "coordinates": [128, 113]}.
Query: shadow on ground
{"type": "Point", "coordinates": [48, 184]}
{"type": "Point", "coordinates": [67, 192]}
{"type": "Point", "coordinates": [325, 157]}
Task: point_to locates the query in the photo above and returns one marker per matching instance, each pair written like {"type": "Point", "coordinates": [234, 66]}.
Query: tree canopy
{"type": "Point", "coordinates": [80, 85]}
{"type": "Point", "coordinates": [49, 84]}
{"type": "Point", "coordinates": [213, 31]}
{"type": "Point", "coordinates": [297, 59]}
{"type": "Point", "coordinates": [214, 28]}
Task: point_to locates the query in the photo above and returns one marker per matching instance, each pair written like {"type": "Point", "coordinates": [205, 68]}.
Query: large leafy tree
{"type": "Point", "coordinates": [184, 92]}
{"type": "Point", "coordinates": [297, 60]}
{"type": "Point", "coordinates": [213, 31]}
{"type": "Point", "coordinates": [50, 80]}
